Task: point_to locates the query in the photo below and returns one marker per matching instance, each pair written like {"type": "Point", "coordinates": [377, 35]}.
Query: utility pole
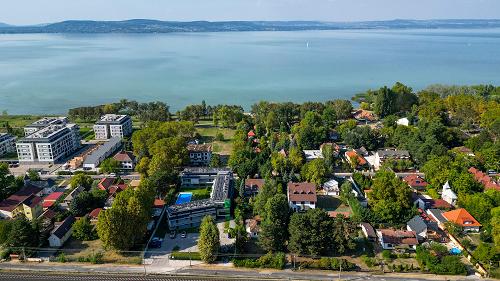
{"type": "Point", "coordinates": [340, 269]}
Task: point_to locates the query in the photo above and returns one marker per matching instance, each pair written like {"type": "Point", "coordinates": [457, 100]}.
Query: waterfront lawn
{"type": "Point", "coordinates": [208, 131]}
{"type": "Point", "coordinates": [17, 121]}
{"type": "Point", "coordinates": [75, 250]}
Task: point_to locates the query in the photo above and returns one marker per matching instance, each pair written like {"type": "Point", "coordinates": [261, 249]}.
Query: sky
{"type": "Point", "coordinates": [22, 12]}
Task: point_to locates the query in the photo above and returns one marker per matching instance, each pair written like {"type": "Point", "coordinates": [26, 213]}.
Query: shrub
{"type": "Point", "coordinates": [219, 136]}
{"type": "Point", "coordinates": [185, 256]}
{"type": "Point", "coordinates": [387, 255]}
{"type": "Point", "coordinates": [269, 260]}
{"type": "Point", "coordinates": [61, 258]}
{"type": "Point", "coordinates": [329, 264]}
{"type": "Point", "coordinates": [370, 262]}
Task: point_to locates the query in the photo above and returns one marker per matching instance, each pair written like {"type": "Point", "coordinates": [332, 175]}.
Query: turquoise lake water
{"type": "Point", "coordinates": [42, 73]}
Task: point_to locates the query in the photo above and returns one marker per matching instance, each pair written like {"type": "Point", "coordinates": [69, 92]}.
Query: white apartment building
{"type": "Point", "coordinates": [44, 122]}
{"type": "Point", "coordinates": [113, 125]}
{"type": "Point", "coordinates": [200, 154]}
{"type": "Point", "coordinates": [49, 144]}
{"type": "Point", "coordinates": [7, 143]}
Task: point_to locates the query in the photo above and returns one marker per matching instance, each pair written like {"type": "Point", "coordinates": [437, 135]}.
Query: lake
{"type": "Point", "coordinates": [50, 73]}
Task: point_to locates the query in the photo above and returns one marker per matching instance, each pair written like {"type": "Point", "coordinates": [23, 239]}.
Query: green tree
{"type": "Point", "coordinates": [82, 180]}
{"type": "Point", "coordinates": [83, 230]}
{"type": "Point", "coordinates": [215, 161]}
{"type": "Point", "coordinates": [209, 242]}
{"type": "Point", "coordinates": [109, 165]}
{"type": "Point", "coordinates": [390, 198]}
{"type": "Point", "coordinates": [86, 201]}
{"type": "Point", "coordinates": [8, 183]}
{"type": "Point", "coordinates": [274, 228]}
{"type": "Point", "coordinates": [5, 227]}
{"type": "Point", "coordinates": [22, 234]}
{"type": "Point", "coordinates": [33, 175]}
{"type": "Point", "coordinates": [311, 233]}
{"type": "Point", "coordinates": [315, 171]}
{"type": "Point", "coordinates": [267, 192]}
{"type": "Point", "coordinates": [310, 132]}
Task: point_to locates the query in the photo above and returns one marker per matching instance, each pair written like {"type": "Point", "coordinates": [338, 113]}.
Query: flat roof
{"type": "Point", "coordinates": [102, 150]}
{"type": "Point", "coordinates": [112, 119]}
{"type": "Point", "coordinates": [221, 186]}
{"type": "Point", "coordinates": [193, 205]}
{"type": "Point", "coordinates": [48, 133]}
{"type": "Point", "coordinates": [45, 121]}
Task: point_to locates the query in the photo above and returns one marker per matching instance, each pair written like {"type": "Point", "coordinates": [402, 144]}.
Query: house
{"type": "Point", "coordinates": [448, 195]}
{"type": "Point", "coordinates": [397, 239]}
{"type": "Point", "coordinates": [368, 231]}
{"type": "Point", "coordinates": [200, 154]}
{"type": "Point", "coordinates": [463, 219]}
{"type": "Point", "coordinates": [252, 187]}
{"type": "Point", "coordinates": [416, 182]}
{"type": "Point", "coordinates": [313, 154]}
{"type": "Point", "coordinates": [390, 154]}
{"type": "Point", "coordinates": [126, 159]}
{"type": "Point", "coordinates": [101, 152]}
{"type": "Point", "coordinates": [252, 227]}
{"type": "Point", "coordinates": [403, 121]}
{"type": "Point", "coordinates": [26, 201]}
{"type": "Point", "coordinates": [331, 187]}
{"type": "Point", "coordinates": [484, 179]}
{"type": "Point", "coordinates": [48, 186]}
{"type": "Point", "coordinates": [51, 199]}
{"type": "Point", "coordinates": [417, 225]}
{"type": "Point", "coordinates": [94, 215]}
{"type": "Point", "coordinates": [302, 196]}
{"type": "Point", "coordinates": [364, 115]}
{"type": "Point", "coordinates": [352, 155]}
{"type": "Point", "coordinates": [335, 148]}
{"type": "Point", "coordinates": [61, 232]}
{"type": "Point", "coordinates": [437, 216]}
{"type": "Point", "coordinates": [72, 195]}
{"type": "Point", "coordinates": [158, 206]}
{"type": "Point", "coordinates": [106, 183]}
{"type": "Point", "coordinates": [425, 202]}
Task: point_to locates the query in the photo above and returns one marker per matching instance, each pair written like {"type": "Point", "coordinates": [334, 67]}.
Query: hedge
{"type": "Point", "coordinates": [185, 256]}
{"type": "Point", "coordinates": [270, 260]}
{"type": "Point", "coordinates": [329, 264]}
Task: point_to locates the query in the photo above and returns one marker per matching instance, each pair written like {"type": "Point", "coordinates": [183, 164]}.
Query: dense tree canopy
{"type": "Point", "coordinates": [274, 228]}
{"type": "Point", "coordinates": [209, 242]}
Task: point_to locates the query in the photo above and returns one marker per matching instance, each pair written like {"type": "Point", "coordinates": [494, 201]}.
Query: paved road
{"type": "Point", "coordinates": [100, 277]}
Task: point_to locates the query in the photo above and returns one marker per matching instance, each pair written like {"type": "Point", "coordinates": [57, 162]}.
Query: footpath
{"type": "Point", "coordinates": [225, 271]}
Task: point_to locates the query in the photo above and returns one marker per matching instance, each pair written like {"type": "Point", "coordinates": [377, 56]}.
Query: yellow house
{"type": "Point", "coordinates": [24, 202]}
{"type": "Point", "coordinates": [32, 207]}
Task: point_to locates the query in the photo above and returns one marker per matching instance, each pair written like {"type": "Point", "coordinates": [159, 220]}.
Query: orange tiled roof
{"type": "Point", "coordinates": [461, 217]}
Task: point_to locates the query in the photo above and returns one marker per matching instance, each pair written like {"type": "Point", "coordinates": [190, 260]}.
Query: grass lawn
{"type": "Point", "coordinates": [18, 121]}
{"type": "Point", "coordinates": [74, 249]}
{"type": "Point", "coordinates": [198, 193]}
{"type": "Point", "coordinates": [87, 133]}
{"type": "Point", "coordinates": [207, 131]}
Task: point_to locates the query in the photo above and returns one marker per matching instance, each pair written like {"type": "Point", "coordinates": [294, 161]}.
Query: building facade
{"type": "Point", "coordinates": [200, 154]}
{"type": "Point", "coordinates": [49, 144]}
{"type": "Point", "coordinates": [113, 125]}
{"type": "Point", "coordinates": [7, 144]}
{"type": "Point", "coordinates": [42, 123]}
{"type": "Point", "coordinates": [302, 196]}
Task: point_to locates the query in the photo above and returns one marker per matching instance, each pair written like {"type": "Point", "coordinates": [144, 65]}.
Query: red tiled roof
{"type": "Point", "coordinates": [461, 217]}
{"type": "Point", "coordinates": [158, 203]}
{"type": "Point", "coordinates": [251, 134]}
{"type": "Point", "coordinates": [17, 198]}
{"type": "Point", "coordinates": [333, 214]}
{"type": "Point", "coordinates": [259, 183]}
{"type": "Point", "coordinates": [117, 188]}
{"type": "Point", "coordinates": [352, 153]}
{"type": "Point", "coordinates": [95, 213]}
{"type": "Point", "coordinates": [415, 181]}
{"type": "Point", "coordinates": [399, 237]}
{"type": "Point", "coordinates": [105, 183]}
{"type": "Point", "coordinates": [304, 191]}
{"type": "Point", "coordinates": [124, 156]}
{"type": "Point", "coordinates": [53, 196]}
{"type": "Point", "coordinates": [483, 178]}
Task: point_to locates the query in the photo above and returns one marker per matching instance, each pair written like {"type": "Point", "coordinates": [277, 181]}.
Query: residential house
{"type": "Point", "coordinates": [448, 195]}
{"type": "Point", "coordinates": [252, 187]}
{"type": "Point", "coordinates": [103, 151]}
{"type": "Point", "coordinates": [437, 216]}
{"type": "Point", "coordinates": [72, 195]}
{"type": "Point", "coordinates": [368, 231]}
{"type": "Point", "coordinates": [416, 182]}
{"type": "Point", "coordinates": [364, 115]}
{"type": "Point", "coordinates": [302, 196]}
{"type": "Point", "coordinates": [313, 154]}
{"type": "Point", "coordinates": [106, 183]}
{"type": "Point", "coordinates": [403, 122]}
{"type": "Point", "coordinates": [463, 219]}
{"type": "Point", "coordinates": [390, 154]}
{"type": "Point", "coordinates": [126, 159]}
{"type": "Point", "coordinates": [51, 199]}
{"type": "Point", "coordinates": [335, 148]}
{"type": "Point", "coordinates": [252, 226]}
{"type": "Point", "coordinates": [61, 232]}
{"type": "Point", "coordinates": [26, 201]}
{"type": "Point", "coordinates": [354, 158]}
{"type": "Point", "coordinates": [417, 225]}
{"type": "Point", "coordinates": [94, 215]}
{"type": "Point", "coordinates": [200, 154]}
{"type": "Point", "coordinates": [425, 202]}
{"type": "Point", "coordinates": [397, 239]}
{"type": "Point", "coordinates": [484, 179]}
{"type": "Point", "coordinates": [331, 187]}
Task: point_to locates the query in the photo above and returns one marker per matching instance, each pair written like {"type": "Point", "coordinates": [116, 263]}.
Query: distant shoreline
{"type": "Point", "coordinates": [155, 26]}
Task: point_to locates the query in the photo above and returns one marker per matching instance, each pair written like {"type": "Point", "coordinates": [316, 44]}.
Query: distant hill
{"type": "Point", "coordinates": [154, 26]}
{"type": "Point", "coordinates": [4, 24]}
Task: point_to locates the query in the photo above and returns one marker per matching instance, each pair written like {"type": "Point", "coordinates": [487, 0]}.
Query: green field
{"type": "Point", "coordinates": [207, 131]}
{"type": "Point", "coordinates": [198, 193]}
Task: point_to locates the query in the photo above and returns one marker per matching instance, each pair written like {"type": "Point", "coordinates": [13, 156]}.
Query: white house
{"type": "Point", "coordinates": [252, 227]}
{"type": "Point", "coordinates": [448, 195]}
{"type": "Point", "coordinates": [403, 121]}
{"type": "Point", "coordinates": [61, 232]}
{"type": "Point", "coordinates": [331, 188]}
{"type": "Point", "coordinates": [397, 239]}
{"type": "Point", "coordinates": [313, 154]}
{"type": "Point", "coordinates": [417, 225]}
{"type": "Point", "coordinates": [302, 196]}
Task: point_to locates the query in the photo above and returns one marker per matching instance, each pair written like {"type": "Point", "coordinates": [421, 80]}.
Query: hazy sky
{"type": "Point", "coordinates": [44, 11]}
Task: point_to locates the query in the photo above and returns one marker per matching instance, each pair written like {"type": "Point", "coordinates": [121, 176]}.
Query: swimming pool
{"type": "Point", "coordinates": [455, 251]}
{"type": "Point", "coordinates": [183, 197]}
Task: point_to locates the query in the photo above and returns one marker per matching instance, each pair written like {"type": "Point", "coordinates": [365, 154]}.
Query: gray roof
{"type": "Point", "coordinates": [393, 153]}
{"type": "Point", "coordinates": [113, 119]}
{"type": "Point", "coordinates": [222, 186]}
{"type": "Point", "coordinates": [438, 215]}
{"type": "Point", "coordinates": [64, 227]}
{"type": "Point", "coordinates": [193, 205]}
{"type": "Point", "coordinates": [202, 171]}
{"type": "Point", "coordinates": [102, 150]}
{"type": "Point", "coordinates": [417, 224]}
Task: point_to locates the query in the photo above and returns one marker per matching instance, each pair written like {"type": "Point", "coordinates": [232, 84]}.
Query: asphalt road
{"type": "Point", "coordinates": [15, 276]}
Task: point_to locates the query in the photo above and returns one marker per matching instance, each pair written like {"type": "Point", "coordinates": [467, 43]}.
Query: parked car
{"type": "Point", "coordinates": [172, 234]}
{"type": "Point", "coordinates": [155, 243]}
{"type": "Point", "coordinates": [183, 234]}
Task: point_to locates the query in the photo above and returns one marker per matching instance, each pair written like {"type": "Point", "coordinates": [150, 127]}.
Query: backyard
{"type": "Point", "coordinates": [208, 131]}
{"type": "Point", "coordinates": [75, 250]}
